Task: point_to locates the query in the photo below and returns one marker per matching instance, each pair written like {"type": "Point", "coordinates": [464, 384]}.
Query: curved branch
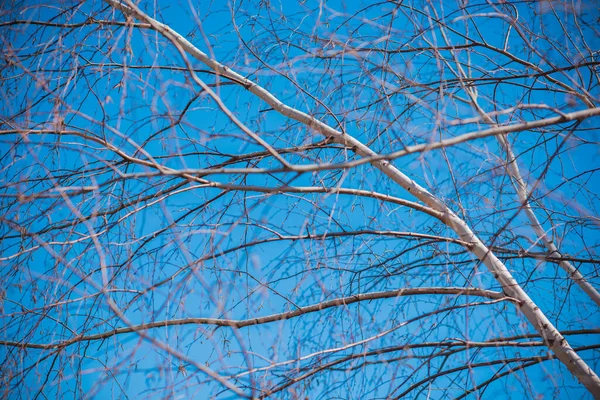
{"type": "Point", "coordinates": [343, 301]}
{"type": "Point", "coordinates": [555, 341]}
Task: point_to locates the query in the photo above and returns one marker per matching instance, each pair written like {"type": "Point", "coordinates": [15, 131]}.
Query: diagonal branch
{"type": "Point", "coordinates": [550, 334]}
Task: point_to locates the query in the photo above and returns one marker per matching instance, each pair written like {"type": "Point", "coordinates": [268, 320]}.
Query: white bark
{"type": "Point", "coordinates": [555, 341]}
{"type": "Point", "coordinates": [523, 194]}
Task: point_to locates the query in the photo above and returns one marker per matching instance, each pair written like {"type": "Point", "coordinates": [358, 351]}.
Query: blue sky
{"type": "Point", "coordinates": [381, 99]}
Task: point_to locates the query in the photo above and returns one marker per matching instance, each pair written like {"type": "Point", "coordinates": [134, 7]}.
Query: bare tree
{"type": "Point", "coordinates": [303, 199]}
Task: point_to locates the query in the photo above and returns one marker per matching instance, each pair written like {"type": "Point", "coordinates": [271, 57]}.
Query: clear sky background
{"type": "Point", "coordinates": [188, 242]}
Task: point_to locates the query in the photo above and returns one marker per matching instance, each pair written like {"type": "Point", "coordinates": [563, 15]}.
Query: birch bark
{"type": "Point", "coordinates": [550, 334]}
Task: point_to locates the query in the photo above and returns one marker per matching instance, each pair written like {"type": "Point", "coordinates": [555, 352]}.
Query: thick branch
{"type": "Point", "coordinates": [555, 341]}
